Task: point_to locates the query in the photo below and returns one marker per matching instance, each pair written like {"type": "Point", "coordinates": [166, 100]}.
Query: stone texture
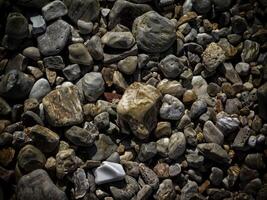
{"type": "Point", "coordinates": [138, 108]}
{"type": "Point", "coordinates": [118, 40]}
{"type": "Point", "coordinates": [212, 133]}
{"type": "Point", "coordinates": [177, 145]}
{"type": "Point", "coordinates": [54, 39]}
{"type": "Point", "coordinates": [79, 54]}
{"type": "Point", "coordinates": [63, 107]}
{"type": "Point", "coordinates": [80, 137]}
{"type": "Point", "coordinates": [54, 10]}
{"type": "Point", "coordinates": [172, 108]}
{"type": "Point", "coordinates": [153, 33]}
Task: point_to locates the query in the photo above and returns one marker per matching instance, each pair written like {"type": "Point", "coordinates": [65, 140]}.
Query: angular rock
{"type": "Point", "coordinates": [171, 66]}
{"type": "Point", "coordinates": [54, 39]}
{"type": "Point", "coordinates": [81, 183]}
{"type": "Point", "coordinates": [198, 108]}
{"type": "Point", "coordinates": [66, 162]}
{"type": "Point", "coordinates": [79, 136]}
{"type": "Point", "coordinates": [72, 72]}
{"type": "Point", "coordinates": [172, 108]}
{"type": "Point", "coordinates": [216, 176]}
{"type": "Point", "coordinates": [63, 107]}
{"type": "Point", "coordinates": [104, 147]}
{"type": "Point", "coordinates": [144, 193]}
{"type": "Point", "coordinates": [189, 190]}
{"type": "Point", "coordinates": [40, 89]}
{"type": "Point", "coordinates": [108, 172]}
{"type": "Point", "coordinates": [118, 40]}
{"type": "Point", "coordinates": [227, 124]}
{"type": "Point", "coordinates": [138, 109]}
{"type": "Point", "coordinates": [38, 25]}
{"type": "Point", "coordinates": [166, 190]}
{"type": "Point", "coordinates": [177, 145]}
{"type": "Point", "coordinates": [212, 133]}
{"type": "Point", "coordinates": [79, 54]}
{"type": "Point", "coordinates": [128, 65]}
{"type": "Point", "coordinates": [124, 12]}
{"type": "Point", "coordinates": [54, 62]}
{"type": "Point", "coordinates": [54, 10]}
{"type": "Point", "coordinates": [38, 185]}
{"type": "Point", "coordinates": [95, 48]}
{"type": "Point", "coordinates": [250, 51]}
{"type": "Point", "coordinates": [202, 7]}
{"type": "Point", "coordinates": [87, 10]}
{"type": "Point", "coordinates": [149, 176]}
{"type": "Point", "coordinates": [214, 152]}
{"type": "Point", "coordinates": [147, 151]}
{"type": "Point", "coordinates": [241, 138]}
{"type": "Point", "coordinates": [213, 56]}
{"type": "Point", "coordinates": [16, 82]}
{"type": "Point", "coordinates": [153, 33]}
{"type": "Point", "coordinates": [44, 138]}
{"type": "Point", "coordinates": [102, 121]}
{"type": "Point", "coordinates": [230, 73]}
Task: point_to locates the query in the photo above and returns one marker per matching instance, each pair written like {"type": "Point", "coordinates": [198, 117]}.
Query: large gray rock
{"type": "Point", "coordinates": [86, 10]}
{"type": "Point", "coordinates": [54, 10]}
{"type": "Point", "coordinates": [108, 172]}
{"type": "Point", "coordinates": [138, 109]}
{"type": "Point", "coordinates": [153, 32]}
{"type": "Point", "coordinates": [63, 107]}
{"type": "Point", "coordinates": [124, 12]}
{"type": "Point", "coordinates": [55, 38]}
{"type": "Point", "coordinates": [37, 185]}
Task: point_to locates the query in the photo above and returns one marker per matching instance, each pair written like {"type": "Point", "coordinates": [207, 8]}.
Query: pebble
{"type": "Point", "coordinates": [172, 108]}
{"type": "Point", "coordinates": [171, 66]}
{"type": "Point", "coordinates": [108, 172]}
{"type": "Point", "coordinates": [54, 10]}
{"type": "Point", "coordinates": [79, 54]}
{"type": "Point", "coordinates": [166, 190]}
{"type": "Point", "coordinates": [66, 162]}
{"type": "Point", "coordinates": [136, 101]}
{"type": "Point", "coordinates": [213, 56]}
{"type": "Point", "coordinates": [87, 10]}
{"type": "Point", "coordinates": [16, 82]}
{"type": "Point", "coordinates": [38, 25]}
{"type": "Point", "coordinates": [63, 107]}
{"type": "Point", "coordinates": [147, 151]}
{"type": "Point", "coordinates": [40, 89]}
{"type": "Point", "coordinates": [144, 193]}
{"type": "Point", "coordinates": [17, 26]}
{"type": "Point", "coordinates": [46, 139]}
{"type": "Point", "coordinates": [79, 136]}
{"type": "Point", "coordinates": [81, 183]}
{"type": "Point", "coordinates": [198, 108]}
{"type": "Point", "coordinates": [104, 147]}
{"type": "Point", "coordinates": [255, 161]}
{"type": "Point", "coordinates": [212, 133]}
{"type": "Point", "coordinates": [54, 39]}
{"type": "Point", "coordinates": [216, 176]}
{"type": "Point", "coordinates": [175, 170]}
{"type": "Point", "coordinates": [118, 40]}
{"type": "Point", "coordinates": [194, 160]}
{"type": "Point", "coordinates": [92, 86]}
{"type": "Point", "coordinates": [95, 48]}
{"type": "Point", "coordinates": [177, 145]}
{"type": "Point", "coordinates": [163, 129]}
{"type": "Point", "coordinates": [85, 27]}
{"type": "Point", "coordinates": [250, 51]}
{"type": "Point", "coordinates": [162, 146]}
{"type": "Point", "coordinates": [227, 124]}
{"type": "Point", "coordinates": [72, 72]}
{"type": "Point", "coordinates": [38, 180]}
{"type": "Point", "coordinates": [32, 53]}
{"type": "Point", "coordinates": [189, 189]}
{"type": "Point", "coordinates": [149, 34]}
{"type": "Point", "coordinates": [149, 176]}
{"type": "Point", "coordinates": [30, 158]}
{"type": "Point", "coordinates": [128, 65]}
{"type": "Point", "coordinates": [202, 7]}
{"type": "Point", "coordinates": [102, 121]}
{"type": "Point", "coordinates": [242, 68]}
{"type": "Point", "coordinates": [241, 138]}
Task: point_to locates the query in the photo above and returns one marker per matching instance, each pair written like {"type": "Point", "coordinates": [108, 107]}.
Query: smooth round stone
{"type": "Point", "coordinates": [177, 145]}
{"type": "Point", "coordinates": [175, 170]}
{"type": "Point", "coordinates": [79, 54]}
{"type": "Point", "coordinates": [32, 53]}
{"type": "Point", "coordinates": [85, 27]}
{"type": "Point", "coordinates": [79, 136]}
{"type": "Point", "coordinates": [38, 180]}
{"type": "Point", "coordinates": [201, 6]}
{"type": "Point", "coordinates": [93, 86]}
{"type": "Point", "coordinates": [44, 138]}
{"type": "Point", "coordinates": [118, 40]}
{"type": "Point", "coordinates": [162, 146]}
{"type": "Point", "coordinates": [40, 89]}
{"type": "Point", "coordinates": [16, 82]}
{"type": "Point", "coordinates": [128, 65]}
{"type": "Point", "coordinates": [172, 108]}
{"type": "Point", "coordinates": [189, 96]}
{"type": "Point", "coordinates": [198, 108]}
{"type": "Point", "coordinates": [17, 26]}
{"type": "Point", "coordinates": [153, 32]}
{"type": "Point", "coordinates": [171, 66]}
{"type": "Point", "coordinates": [30, 158]}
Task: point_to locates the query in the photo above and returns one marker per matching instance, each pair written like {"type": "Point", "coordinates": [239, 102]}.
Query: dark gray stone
{"type": "Point", "coordinates": [54, 39]}
{"type": "Point", "coordinates": [198, 108]}
{"type": "Point", "coordinates": [241, 138]}
{"type": "Point", "coordinates": [95, 48]}
{"type": "Point", "coordinates": [72, 72]}
{"type": "Point", "coordinates": [80, 136]}
{"type": "Point", "coordinates": [153, 32]}
{"type": "Point", "coordinates": [17, 26]}
{"type": "Point", "coordinates": [201, 6]}
{"type": "Point", "coordinates": [212, 133]}
{"type": "Point", "coordinates": [54, 10]}
{"type": "Point", "coordinates": [147, 151]}
{"type": "Point", "coordinates": [171, 66]}
{"type": "Point", "coordinates": [37, 185]}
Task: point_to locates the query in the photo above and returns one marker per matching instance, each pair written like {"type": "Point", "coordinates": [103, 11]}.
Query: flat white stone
{"type": "Point", "coordinates": [108, 172]}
